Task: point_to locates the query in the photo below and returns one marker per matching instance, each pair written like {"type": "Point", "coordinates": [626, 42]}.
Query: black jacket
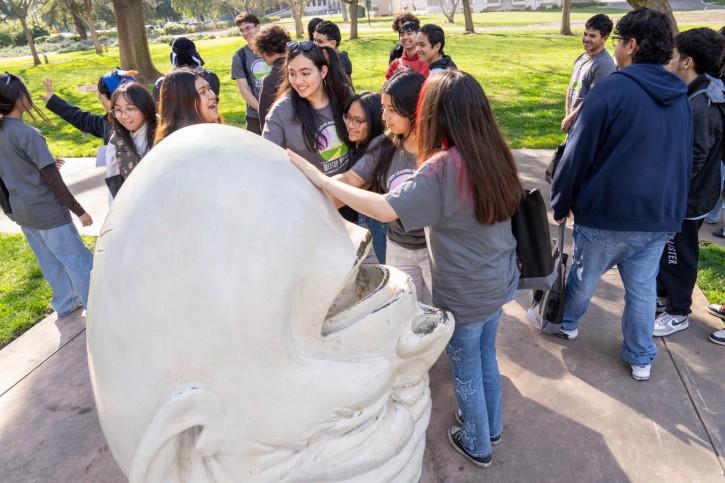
{"type": "Point", "coordinates": [708, 147]}
{"type": "Point", "coordinates": [84, 121]}
{"type": "Point", "coordinates": [445, 63]}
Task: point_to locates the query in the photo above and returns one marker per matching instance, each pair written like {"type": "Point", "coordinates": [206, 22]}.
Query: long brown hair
{"type": "Point", "coordinates": [179, 102]}
{"type": "Point", "coordinates": [454, 112]}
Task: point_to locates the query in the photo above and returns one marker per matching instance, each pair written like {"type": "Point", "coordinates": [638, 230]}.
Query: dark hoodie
{"type": "Point", "coordinates": [628, 159]}
{"type": "Point", "coordinates": [707, 99]}
{"type": "Point", "coordinates": [440, 65]}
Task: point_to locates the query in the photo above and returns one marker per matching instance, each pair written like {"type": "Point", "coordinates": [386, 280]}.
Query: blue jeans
{"type": "Point", "coordinates": [714, 216]}
{"type": "Point", "coordinates": [637, 255]}
{"type": "Point", "coordinates": [378, 230]}
{"type": "Point", "coordinates": [472, 352]}
{"type": "Point", "coordinates": [66, 264]}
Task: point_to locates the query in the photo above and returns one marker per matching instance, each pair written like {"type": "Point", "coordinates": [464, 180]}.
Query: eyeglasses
{"type": "Point", "coordinates": [248, 29]}
{"type": "Point", "coordinates": [617, 38]}
{"type": "Point", "coordinates": [305, 46]}
{"type": "Point", "coordinates": [354, 122]}
{"type": "Point", "coordinates": [130, 112]}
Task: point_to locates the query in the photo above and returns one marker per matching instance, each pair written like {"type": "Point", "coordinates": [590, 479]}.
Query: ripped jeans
{"type": "Point", "coordinates": [477, 383]}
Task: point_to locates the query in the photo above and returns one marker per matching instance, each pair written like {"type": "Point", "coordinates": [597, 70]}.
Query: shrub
{"type": "Point", "coordinates": [233, 32]}
{"type": "Point", "coordinates": [76, 46]}
{"type": "Point", "coordinates": [173, 28]}
{"type": "Point", "coordinates": [164, 39]}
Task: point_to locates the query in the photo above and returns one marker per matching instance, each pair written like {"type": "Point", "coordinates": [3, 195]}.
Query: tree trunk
{"type": "Point", "coordinates": [660, 6]}
{"type": "Point", "coordinates": [353, 19]}
{"type": "Point", "coordinates": [91, 25]}
{"type": "Point", "coordinates": [467, 14]}
{"type": "Point", "coordinates": [565, 28]}
{"type": "Point", "coordinates": [449, 12]}
{"type": "Point", "coordinates": [31, 41]}
{"type": "Point", "coordinates": [80, 26]}
{"type": "Point", "coordinates": [344, 14]}
{"type": "Point", "coordinates": [132, 43]}
{"type": "Point", "coordinates": [298, 9]}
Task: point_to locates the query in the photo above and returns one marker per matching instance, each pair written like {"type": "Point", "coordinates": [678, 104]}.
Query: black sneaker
{"type": "Point", "coordinates": [454, 436]}
{"type": "Point", "coordinates": [459, 418]}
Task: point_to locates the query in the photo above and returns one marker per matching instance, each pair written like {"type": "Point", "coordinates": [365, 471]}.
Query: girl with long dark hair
{"type": "Point", "coordinates": [185, 99]}
{"type": "Point", "coordinates": [307, 116]}
{"type": "Point", "coordinates": [134, 128]}
{"type": "Point", "coordinates": [464, 192]}
{"type": "Point", "coordinates": [364, 122]}
{"type": "Point", "coordinates": [389, 161]}
{"type": "Point", "coordinates": [39, 200]}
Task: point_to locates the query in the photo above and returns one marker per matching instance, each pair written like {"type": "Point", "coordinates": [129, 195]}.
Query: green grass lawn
{"type": "Point", "coordinates": [24, 293]}
{"type": "Point", "coordinates": [711, 272]}
{"type": "Point", "coordinates": [524, 73]}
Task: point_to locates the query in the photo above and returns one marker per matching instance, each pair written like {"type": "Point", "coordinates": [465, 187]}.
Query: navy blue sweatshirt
{"type": "Point", "coordinates": [627, 162]}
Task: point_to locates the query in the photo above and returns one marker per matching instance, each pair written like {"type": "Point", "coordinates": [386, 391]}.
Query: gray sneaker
{"type": "Point", "coordinates": [667, 324]}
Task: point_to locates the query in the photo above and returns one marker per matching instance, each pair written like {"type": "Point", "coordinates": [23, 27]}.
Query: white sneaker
{"type": "Point", "coordinates": [567, 334]}
{"type": "Point", "coordinates": [667, 324]}
{"type": "Point", "coordinates": [641, 373]}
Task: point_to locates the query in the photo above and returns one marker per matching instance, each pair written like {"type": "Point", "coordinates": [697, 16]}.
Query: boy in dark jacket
{"type": "Point", "coordinates": [696, 52]}
{"type": "Point", "coordinates": [624, 175]}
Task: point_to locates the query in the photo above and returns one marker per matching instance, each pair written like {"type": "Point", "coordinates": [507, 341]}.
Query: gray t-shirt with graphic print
{"type": "Point", "coordinates": [283, 130]}
{"type": "Point", "coordinates": [586, 73]}
{"type": "Point", "coordinates": [473, 265]}
{"type": "Point", "coordinates": [23, 153]}
{"type": "Point", "coordinates": [257, 69]}
{"type": "Point", "coordinates": [402, 166]}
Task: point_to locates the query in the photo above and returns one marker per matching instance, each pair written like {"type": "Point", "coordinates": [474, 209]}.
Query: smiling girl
{"type": "Point", "coordinates": [307, 117]}
{"type": "Point", "coordinates": [185, 99]}
{"type": "Point", "coordinates": [390, 160]}
{"type": "Point", "coordinates": [134, 127]}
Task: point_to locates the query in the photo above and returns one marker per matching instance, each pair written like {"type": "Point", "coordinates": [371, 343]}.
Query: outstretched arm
{"type": "Point", "coordinates": [371, 204]}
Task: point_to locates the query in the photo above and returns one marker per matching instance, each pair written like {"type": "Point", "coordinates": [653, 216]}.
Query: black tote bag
{"type": "Point", "coordinates": [530, 226]}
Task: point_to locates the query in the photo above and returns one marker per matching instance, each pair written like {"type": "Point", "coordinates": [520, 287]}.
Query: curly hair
{"type": "Point", "coordinates": [403, 18]}
{"type": "Point", "coordinates": [653, 32]}
{"type": "Point", "coordinates": [271, 40]}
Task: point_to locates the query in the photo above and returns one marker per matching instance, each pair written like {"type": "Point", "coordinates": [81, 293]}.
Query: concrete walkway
{"type": "Point", "coordinates": [571, 410]}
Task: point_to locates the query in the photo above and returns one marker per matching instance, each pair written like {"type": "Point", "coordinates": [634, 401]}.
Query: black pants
{"type": "Point", "coordinates": [253, 125]}
{"type": "Point", "coordinates": [678, 268]}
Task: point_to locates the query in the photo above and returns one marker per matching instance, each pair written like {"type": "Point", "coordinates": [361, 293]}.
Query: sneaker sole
{"type": "Point", "coordinates": [468, 457]}
{"type": "Point", "coordinates": [675, 329]}
{"type": "Point", "coordinates": [459, 420]}
{"type": "Point", "coordinates": [564, 336]}
{"type": "Point", "coordinates": [637, 378]}
{"type": "Point", "coordinates": [715, 313]}
{"type": "Point", "coordinates": [715, 341]}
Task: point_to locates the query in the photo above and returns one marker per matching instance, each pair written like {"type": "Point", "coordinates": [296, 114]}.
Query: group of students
{"type": "Point", "coordinates": [417, 154]}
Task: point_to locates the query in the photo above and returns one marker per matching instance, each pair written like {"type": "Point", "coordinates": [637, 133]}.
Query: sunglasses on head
{"type": "Point", "coordinates": [304, 46]}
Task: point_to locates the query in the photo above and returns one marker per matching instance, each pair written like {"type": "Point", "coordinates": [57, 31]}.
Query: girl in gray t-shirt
{"type": "Point", "coordinates": [40, 201]}
{"type": "Point", "coordinates": [307, 117]}
{"type": "Point", "coordinates": [464, 195]}
{"type": "Point", "coordinates": [389, 161]}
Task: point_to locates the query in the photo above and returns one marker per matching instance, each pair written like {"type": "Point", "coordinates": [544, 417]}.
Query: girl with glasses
{"type": "Point", "coordinates": [464, 193]}
{"type": "Point", "coordinates": [185, 99]}
{"type": "Point", "coordinates": [307, 116]}
{"type": "Point", "coordinates": [39, 200]}
{"type": "Point", "coordinates": [364, 122]}
{"type": "Point", "coordinates": [389, 161]}
{"type": "Point", "coordinates": [133, 111]}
